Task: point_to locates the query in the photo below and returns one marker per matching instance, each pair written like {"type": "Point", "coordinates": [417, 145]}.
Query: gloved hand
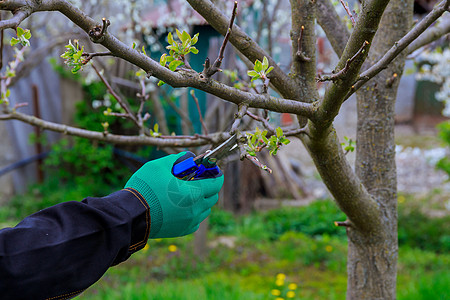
{"type": "Point", "coordinates": [177, 207]}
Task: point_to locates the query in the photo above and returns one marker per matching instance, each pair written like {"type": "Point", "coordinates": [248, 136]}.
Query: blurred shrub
{"type": "Point", "coordinates": [444, 134]}
{"type": "Point", "coordinates": [415, 229]}
{"type": "Point", "coordinates": [315, 219]}
{"type": "Point", "coordinates": [319, 251]}
{"type": "Point", "coordinates": [222, 222]}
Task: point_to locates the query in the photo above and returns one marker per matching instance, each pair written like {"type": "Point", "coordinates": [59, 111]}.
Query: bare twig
{"type": "Point", "coordinates": [300, 55]}
{"type": "Point", "coordinates": [337, 33]}
{"type": "Point", "coordinates": [238, 118]}
{"type": "Point", "coordinates": [89, 56]}
{"type": "Point", "coordinates": [344, 224]}
{"type": "Point", "coordinates": [19, 105]}
{"type": "Point", "coordinates": [341, 73]}
{"type": "Point", "coordinates": [431, 34]}
{"type": "Point", "coordinates": [211, 70]}
{"type": "Point", "coordinates": [263, 120]}
{"type": "Point", "coordinates": [121, 102]}
{"type": "Point", "coordinates": [205, 130]}
{"type": "Point", "coordinates": [349, 13]}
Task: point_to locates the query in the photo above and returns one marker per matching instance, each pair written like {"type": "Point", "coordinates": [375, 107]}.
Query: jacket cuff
{"type": "Point", "coordinates": [134, 203]}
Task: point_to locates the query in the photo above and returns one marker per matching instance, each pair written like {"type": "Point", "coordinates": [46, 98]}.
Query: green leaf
{"type": "Point", "coordinates": [156, 127]}
{"type": "Point", "coordinates": [252, 73]}
{"type": "Point", "coordinates": [14, 41]}
{"type": "Point", "coordinates": [143, 50]}
{"type": "Point", "coordinates": [255, 78]}
{"type": "Point", "coordinates": [265, 63]}
{"type": "Point", "coordinates": [20, 31]}
{"type": "Point", "coordinates": [185, 43]}
{"type": "Point", "coordinates": [269, 70]}
{"type": "Point", "coordinates": [160, 83]}
{"type": "Point", "coordinates": [258, 66]}
{"type": "Point", "coordinates": [193, 50]}
{"type": "Point", "coordinates": [170, 38]}
{"type": "Point", "coordinates": [185, 37]}
{"type": "Point", "coordinates": [194, 39]}
{"type": "Point", "coordinates": [27, 34]}
{"type": "Point", "coordinates": [133, 46]}
{"type": "Point", "coordinates": [279, 132]}
{"type": "Point", "coordinates": [162, 60]}
{"type": "Point", "coordinates": [174, 64]}
{"type": "Point", "coordinates": [285, 141]}
{"type": "Point", "coordinates": [180, 35]}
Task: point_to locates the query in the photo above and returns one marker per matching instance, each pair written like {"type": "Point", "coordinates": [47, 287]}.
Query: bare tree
{"type": "Point", "coordinates": [371, 58]}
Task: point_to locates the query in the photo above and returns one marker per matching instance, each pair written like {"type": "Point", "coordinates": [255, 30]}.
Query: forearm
{"type": "Point", "coordinates": [60, 251]}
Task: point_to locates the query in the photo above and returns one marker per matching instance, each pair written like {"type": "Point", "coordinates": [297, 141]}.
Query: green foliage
{"type": "Point", "coordinates": [321, 251]}
{"type": "Point", "coordinates": [315, 219]}
{"type": "Point", "coordinates": [23, 36]}
{"type": "Point", "coordinates": [260, 70]}
{"type": "Point", "coordinates": [4, 97]}
{"type": "Point", "coordinates": [349, 145]}
{"type": "Point", "coordinates": [74, 56]}
{"type": "Point", "coordinates": [222, 222]}
{"type": "Point", "coordinates": [258, 140]}
{"type": "Point", "coordinates": [178, 50]}
{"type": "Point", "coordinates": [444, 134]}
{"type": "Point", "coordinates": [415, 229]}
{"type": "Point", "coordinates": [84, 163]}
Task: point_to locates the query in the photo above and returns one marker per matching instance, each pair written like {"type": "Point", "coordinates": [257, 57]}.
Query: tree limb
{"type": "Point", "coordinates": [244, 43]}
{"type": "Point", "coordinates": [187, 78]}
{"type": "Point", "coordinates": [335, 30]}
{"type": "Point", "coordinates": [431, 34]}
{"type": "Point", "coordinates": [399, 46]}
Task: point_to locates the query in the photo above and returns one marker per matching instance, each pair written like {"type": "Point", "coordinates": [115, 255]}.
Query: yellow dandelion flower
{"type": "Point", "coordinates": [328, 248]}
{"type": "Point", "coordinates": [276, 292]}
{"type": "Point", "coordinates": [279, 282]}
{"type": "Point", "coordinates": [401, 199]}
{"type": "Point", "coordinates": [292, 286]}
{"type": "Point", "coordinates": [146, 247]}
{"type": "Point", "coordinates": [172, 248]}
{"type": "Point", "coordinates": [290, 294]}
{"type": "Point", "coordinates": [281, 276]}
{"type": "Point", "coordinates": [279, 298]}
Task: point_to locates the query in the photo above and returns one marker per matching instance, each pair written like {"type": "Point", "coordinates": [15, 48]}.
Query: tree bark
{"type": "Point", "coordinates": [372, 259]}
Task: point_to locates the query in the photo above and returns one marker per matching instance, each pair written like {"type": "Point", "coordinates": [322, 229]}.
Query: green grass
{"type": "Point", "coordinates": [300, 242]}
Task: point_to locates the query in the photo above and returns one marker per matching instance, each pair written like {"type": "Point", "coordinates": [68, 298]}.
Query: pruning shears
{"type": "Point", "coordinates": [205, 165]}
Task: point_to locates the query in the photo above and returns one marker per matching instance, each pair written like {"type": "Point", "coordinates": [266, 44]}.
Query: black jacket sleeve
{"type": "Point", "coordinates": [58, 252]}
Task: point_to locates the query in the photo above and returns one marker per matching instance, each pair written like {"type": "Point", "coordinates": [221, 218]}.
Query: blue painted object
{"type": "Point", "coordinates": [189, 170]}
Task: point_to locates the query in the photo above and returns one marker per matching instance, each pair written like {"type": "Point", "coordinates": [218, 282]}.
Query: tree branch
{"type": "Point", "coordinates": [431, 34]}
{"type": "Point", "coordinates": [17, 18]}
{"type": "Point", "coordinates": [335, 30]}
{"type": "Point", "coordinates": [121, 102]}
{"type": "Point", "coordinates": [169, 141]}
{"type": "Point", "coordinates": [208, 72]}
{"type": "Point", "coordinates": [205, 129]}
{"type": "Point", "coordinates": [399, 46]}
{"type": "Point", "coordinates": [244, 43]}
{"type": "Point", "coordinates": [187, 78]}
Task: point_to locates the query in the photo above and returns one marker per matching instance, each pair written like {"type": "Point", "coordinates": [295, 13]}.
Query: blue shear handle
{"type": "Point", "coordinates": [185, 167]}
{"type": "Point", "coordinates": [188, 170]}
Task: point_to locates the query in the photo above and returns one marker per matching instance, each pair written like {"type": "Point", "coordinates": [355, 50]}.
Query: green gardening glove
{"type": "Point", "coordinates": [177, 207]}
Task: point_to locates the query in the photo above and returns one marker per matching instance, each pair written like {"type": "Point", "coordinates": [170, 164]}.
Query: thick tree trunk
{"type": "Point", "coordinates": [372, 259]}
